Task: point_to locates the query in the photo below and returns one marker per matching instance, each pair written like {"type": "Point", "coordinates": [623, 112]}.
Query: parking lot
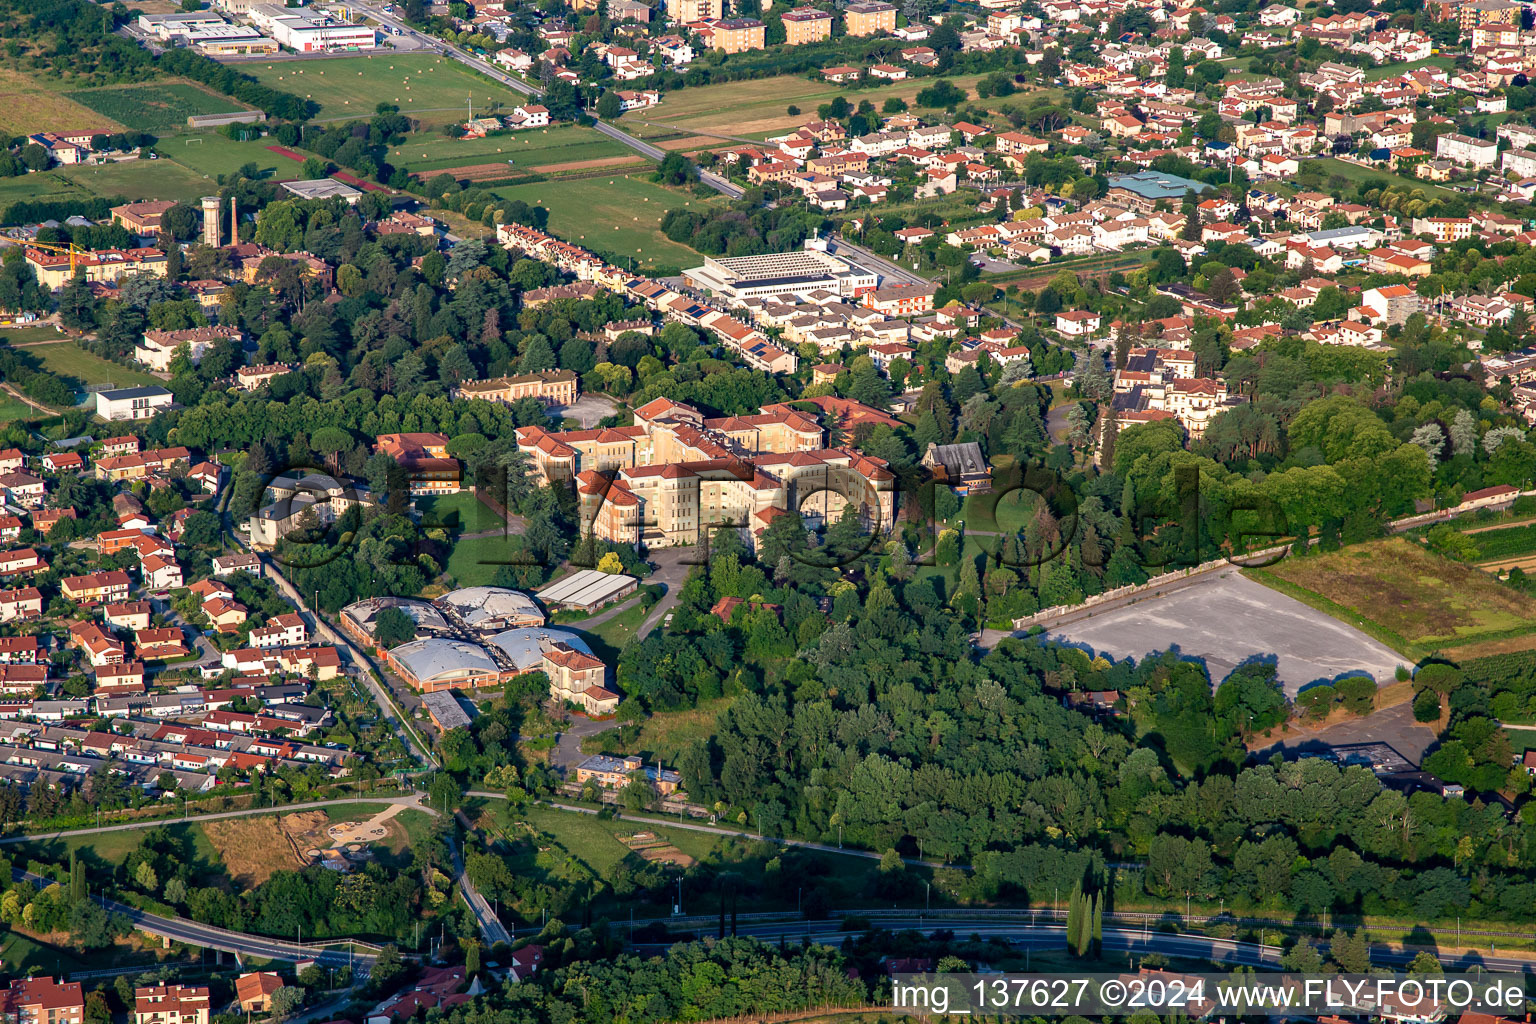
{"type": "Point", "coordinates": [1229, 620]}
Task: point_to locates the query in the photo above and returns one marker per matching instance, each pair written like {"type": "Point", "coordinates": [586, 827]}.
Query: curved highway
{"type": "Point", "coordinates": [179, 929]}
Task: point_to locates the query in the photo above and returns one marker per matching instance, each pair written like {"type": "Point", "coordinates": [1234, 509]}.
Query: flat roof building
{"type": "Point", "coordinates": [1145, 189]}
{"type": "Point", "coordinates": [444, 709]}
{"type": "Point", "coordinates": [323, 188]}
{"type": "Point", "coordinates": [798, 272]}
{"type": "Point", "coordinates": [360, 618]}
{"type": "Point", "coordinates": [132, 403]}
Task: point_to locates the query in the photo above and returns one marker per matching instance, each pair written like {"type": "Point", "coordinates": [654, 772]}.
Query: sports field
{"type": "Point", "coordinates": [617, 214]}
{"type": "Point", "coordinates": [31, 106]}
{"type": "Point", "coordinates": [755, 109]}
{"type": "Point", "coordinates": [425, 86]}
{"type": "Point", "coordinates": [1408, 597]}
{"type": "Point", "coordinates": [557, 148]}
{"type": "Point", "coordinates": [155, 107]}
{"type": "Point", "coordinates": [211, 154]}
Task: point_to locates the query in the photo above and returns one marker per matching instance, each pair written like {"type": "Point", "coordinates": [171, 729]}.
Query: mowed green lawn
{"type": "Point", "coordinates": [130, 179]}
{"type": "Point", "coordinates": [1376, 74]}
{"type": "Point", "coordinates": [138, 179]}
{"type": "Point", "coordinates": [423, 85]}
{"type": "Point", "coordinates": [70, 360]}
{"type": "Point", "coordinates": [615, 213]}
{"type": "Point", "coordinates": [13, 410]}
{"type": "Point", "coordinates": [209, 154]}
{"type": "Point", "coordinates": [563, 144]}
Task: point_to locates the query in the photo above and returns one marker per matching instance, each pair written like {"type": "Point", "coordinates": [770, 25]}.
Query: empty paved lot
{"type": "Point", "coordinates": [1228, 619]}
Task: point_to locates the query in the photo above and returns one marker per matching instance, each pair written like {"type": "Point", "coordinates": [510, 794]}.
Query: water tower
{"type": "Point", "coordinates": [213, 206]}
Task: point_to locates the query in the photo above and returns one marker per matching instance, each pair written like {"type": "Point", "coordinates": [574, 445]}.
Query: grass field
{"type": "Point", "coordinates": [1355, 174]}
{"type": "Point", "coordinates": [555, 147]}
{"type": "Point", "coordinates": [209, 154]}
{"type": "Point", "coordinates": [424, 86]}
{"type": "Point", "coordinates": [70, 360]}
{"type": "Point", "coordinates": [1376, 74]}
{"type": "Point", "coordinates": [618, 214]}
{"type": "Point", "coordinates": [31, 106]}
{"type": "Point", "coordinates": [595, 841]}
{"type": "Point", "coordinates": [756, 109]}
{"type": "Point", "coordinates": [156, 106]}
{"type": "Point", "coordinates": [608, 637]}
{"type": "Point", "coordinates": [19, 336]}
{"type": "Point", "coordinates": [23, 953]}
{"type": "Point", "coordinates": [668, 733]}
{"type": "Point", "coordinates": [1405, 596]}
{"type": "Point", "coordinates": [461, 512]}
{"type": "Point", "coordinates": [112, 848]}
{"type": "Point", "coordinates": [139, 179]}
{"type": "Point", "coordinates": [474, 563]}
{"type": "Point", "coordinates": [12, 411]}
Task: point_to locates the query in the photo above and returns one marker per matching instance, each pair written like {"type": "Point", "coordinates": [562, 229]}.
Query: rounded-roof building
{"type": "Point", "coordinates": [442, 664]}
{"type": "Point", "coordinates": [492, 608]}
{"type": "Point", "coordinates": [360, 617]}
{"type": "Point", "coordinates": [525, 648]}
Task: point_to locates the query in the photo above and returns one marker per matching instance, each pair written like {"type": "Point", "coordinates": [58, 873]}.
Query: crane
{"type": "Point", "coordinates": [74, 251]}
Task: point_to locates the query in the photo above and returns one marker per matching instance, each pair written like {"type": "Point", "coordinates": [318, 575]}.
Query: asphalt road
{"type": "Point", "coordinates": [192, 933]}
{"type": "Point", "coordinates": [1125, 940]}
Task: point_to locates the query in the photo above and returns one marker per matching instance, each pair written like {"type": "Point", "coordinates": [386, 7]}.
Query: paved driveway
{"type": "Point", "coordinates": [587, 410]}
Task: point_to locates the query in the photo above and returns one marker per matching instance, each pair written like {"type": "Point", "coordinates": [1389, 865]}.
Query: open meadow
{"type": "Point", "coordinates": [33, 106]}
{"type": "Point", "coordinates": [1408, 597]}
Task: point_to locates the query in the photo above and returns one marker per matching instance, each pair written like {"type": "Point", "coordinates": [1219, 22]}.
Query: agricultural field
{"type": "Point", "coordinates": [1407, 597]}
{"type": "Point", "coordinates": [618, 214]}
{"type": "Point", "coordinates": [424, 86]}
{"type": "Point", "coordinates": [756, 109]}
{"type": "Point", "coordinates": [1499, 549]}
{"type": "Point", "coordinates": [31, 106]}
{"type": "Point", "coordinates": [209, 154]}
{"type": "Point", "coordinates": [155, 107]}
{"type": "Point", "coordinates": [560, 148]}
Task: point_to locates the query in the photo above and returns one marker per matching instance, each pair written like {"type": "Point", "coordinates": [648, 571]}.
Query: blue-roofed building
{"type": "Point", "coordinates": [1145, 189]}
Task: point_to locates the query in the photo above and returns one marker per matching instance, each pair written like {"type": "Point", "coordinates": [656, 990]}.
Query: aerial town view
{"type": "Point", "coordinates": [767, 511]}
